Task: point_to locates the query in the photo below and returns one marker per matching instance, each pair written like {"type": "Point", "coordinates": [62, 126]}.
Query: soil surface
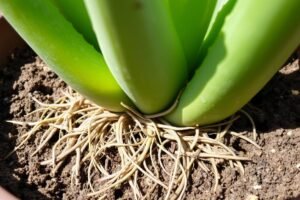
{"type": "Point", "coordinates": [273, 173]}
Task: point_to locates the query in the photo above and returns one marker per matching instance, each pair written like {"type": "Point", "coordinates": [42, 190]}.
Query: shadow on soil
{"type": "Point", "coordinates": [277, 106]}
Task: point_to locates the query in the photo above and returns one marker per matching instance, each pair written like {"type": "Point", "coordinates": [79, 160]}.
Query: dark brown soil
{"type": "Point", "coordinates": [273, 173]}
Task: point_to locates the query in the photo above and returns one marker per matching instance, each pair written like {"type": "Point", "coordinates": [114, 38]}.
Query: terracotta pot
{"type": "Point", "coordinates": [9, 40]}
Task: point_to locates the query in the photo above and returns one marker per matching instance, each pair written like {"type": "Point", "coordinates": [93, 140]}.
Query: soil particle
{"type": "Point", "coordinates": [272, 173]}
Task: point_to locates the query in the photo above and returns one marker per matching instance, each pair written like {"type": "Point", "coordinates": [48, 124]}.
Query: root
{"type": "Point", "coordinates": [119, 148]}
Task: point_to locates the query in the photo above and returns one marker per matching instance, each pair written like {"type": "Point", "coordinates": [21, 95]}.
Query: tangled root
{"type": "Point", "coordinates": [137, 145]}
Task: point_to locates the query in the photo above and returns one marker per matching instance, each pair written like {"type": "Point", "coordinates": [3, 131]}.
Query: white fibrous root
{"type": "Point", "coordinates": [129, 148]}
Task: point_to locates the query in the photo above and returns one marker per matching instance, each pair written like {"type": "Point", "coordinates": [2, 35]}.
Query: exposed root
{"type": "Point", "coordinates": [141, 151]}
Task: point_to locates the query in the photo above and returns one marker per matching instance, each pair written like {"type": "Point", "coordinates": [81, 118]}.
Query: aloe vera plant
{"type": "Point", "coordinates": [149, 46]}
{"type": "Point", "coordinates": [64, 49]}
{"type": "Point", "coordinates": [239, 63]}
{"type": "Point", "coordinates": [135, 68]}
{"type": "Point", "coordinates": [150, 66]}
